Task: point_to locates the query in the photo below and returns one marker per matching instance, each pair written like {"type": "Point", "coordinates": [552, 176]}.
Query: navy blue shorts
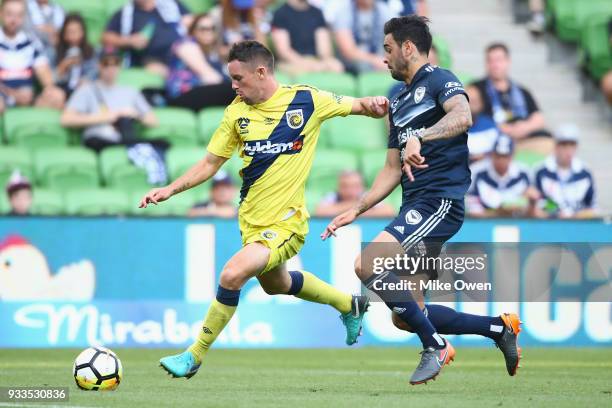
{"type": "Point", "coordinates": [425, 224]}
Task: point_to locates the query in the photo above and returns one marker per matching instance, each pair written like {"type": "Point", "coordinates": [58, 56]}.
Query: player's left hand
{"type": "Point", "coordinates": [412, 157]}
{"type": "Point", "coordinates": [378, 106]}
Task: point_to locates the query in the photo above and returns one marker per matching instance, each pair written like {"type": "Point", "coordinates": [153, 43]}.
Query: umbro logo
{"type": "Point", "coordinates": [399, 228]}
{"type": "Point", "coordinates": [206, 330]}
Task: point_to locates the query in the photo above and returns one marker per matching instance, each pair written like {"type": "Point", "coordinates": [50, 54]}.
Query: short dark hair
{"type": "Point", "coordinates": [413, 28]}
{"type": "Point", "coordinates": [498, 46]}
{"type": "Point", "coordinates": [249, 51]}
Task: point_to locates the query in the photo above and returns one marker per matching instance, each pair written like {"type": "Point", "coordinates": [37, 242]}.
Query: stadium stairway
{"type": "Point", "coordinates": [470, 25]}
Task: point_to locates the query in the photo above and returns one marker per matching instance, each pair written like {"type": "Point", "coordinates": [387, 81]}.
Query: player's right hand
{"type": "Point", "coordinates": [155, 196]}
{"type": "Point", "coordinates": [412, 157]}
{"type": "Point", "coordinates": [341, 220]}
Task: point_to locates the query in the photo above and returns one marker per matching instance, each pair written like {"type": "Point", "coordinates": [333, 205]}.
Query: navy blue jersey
{"type": "Point", "coordinates": [415, 108]}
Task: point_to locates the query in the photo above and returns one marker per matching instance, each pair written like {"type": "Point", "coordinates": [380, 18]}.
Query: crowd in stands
{"type": "Point", "coordinates": [49, 60]}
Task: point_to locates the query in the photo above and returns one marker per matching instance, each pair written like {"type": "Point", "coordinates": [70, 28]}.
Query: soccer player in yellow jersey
{"type": "Point", "coordinates": [275, 128]}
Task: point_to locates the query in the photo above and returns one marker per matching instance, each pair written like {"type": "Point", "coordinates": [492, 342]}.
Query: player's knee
{"type": "Point", "coordinates": [231, 278]}
{"type": "Point", "coordinates": [399, 323]}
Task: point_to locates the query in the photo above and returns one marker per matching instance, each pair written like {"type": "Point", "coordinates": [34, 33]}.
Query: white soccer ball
{"type": "Point", "coordinates": [97, 368]}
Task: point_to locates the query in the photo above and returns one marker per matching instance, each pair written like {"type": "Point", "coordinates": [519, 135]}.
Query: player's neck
{"type": "Point", "coordinates": [414, 68]}
{"type": "Point", "coordinates": [269, 90]}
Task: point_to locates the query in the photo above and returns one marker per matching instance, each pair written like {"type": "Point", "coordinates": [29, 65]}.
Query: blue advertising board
{"type": "Point", "coordinates": [70, 282]}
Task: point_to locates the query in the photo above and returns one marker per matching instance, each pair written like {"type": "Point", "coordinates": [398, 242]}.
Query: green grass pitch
{"type": "Point", "coordinates": [364, 377]}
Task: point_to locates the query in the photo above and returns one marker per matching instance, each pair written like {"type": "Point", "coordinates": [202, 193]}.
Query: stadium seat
{"type": "Point", "coordinates": [370, 163]}
{"type": "Point", "coordinates": [180, 159]}
{"type": "Point", "coordinates": [67, 168]}
{"type": "Point", "coordinates": [4, 204]}
{"type": "Point", "coordinates": [14, 158]}
{"type": "Point", "coordinates": [597, 53]}
{"type": "Point", "coordinates": [529, 158]}
{"type": "Point", "coordinates": [327, 164]}
{"type": "Point", "coordinates": [47, 202]}
{"type": "Point", "coordinates": [233, 167]}
{"type": "Point", "coordinates": [313, 197]}
{"type": "Point", "coordinates": [340, 84]}
{"type": "Point", "coordinates": [375, 83]}
{"type": "Point", "coordinates": [358, 133]}
{"type": "Point", "coordinates": [93, 12]}
{"type": "Point", "coordinates": [198, 6]}
{"type": "Point", "coordinates": [283, 78]}
{"type": "Point", "coordinates": [97, 202]}
{"type": "Point", "coordinates": [208, 121]}
{"type": "Point", "coordinates": [444, 54]}
{"type": "Point", "coordinates": [34, 128]}
{"type": "Point", "coordinates": [140, 78]}
{"type": "Point", "coordinates": [117, 171]}
{"type": "Point", "coordinates": [177, 126]}
{"type": "Point", "coordinates": [112, 6]}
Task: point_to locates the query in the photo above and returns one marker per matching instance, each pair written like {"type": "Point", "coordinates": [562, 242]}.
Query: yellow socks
{"type": "Point", "coordinates": [219, 314]}
{"type": "Point", "coordinates": [307, 286]}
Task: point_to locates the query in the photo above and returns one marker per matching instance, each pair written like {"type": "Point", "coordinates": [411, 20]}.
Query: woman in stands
{"type": "Point", "coordinates": [76, 58]}
{"type": "Point", "coordinates": [197, 78]}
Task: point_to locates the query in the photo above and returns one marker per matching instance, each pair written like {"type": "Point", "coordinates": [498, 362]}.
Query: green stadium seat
{"type": "Point", "coordinates": [570, 17]}
{"type": "Point", "coordinates": [180, 159]}
{"type": "Point", "coordinates": [112, 6]}
{"type": "Point", "coordinates": [340, 84]}
{"type": "Point", "coordinates": [283, 78]}
{"type": "Point", "coordinates": [176, 125]}
{"type": "Point", "coordinates": [47, 202]}
{"type": "Point", "coordinates": [313, 197]}
{"type": "Point", "coordinates": [118, 171]}
{"type": "Point", "coordinates": [327, 164]}
{"type": "Point", "coordinates": [444, 55]}
{"type": "Point", "coordinates": [233, 167]}
{"type": "Point", "coordinates": [375, 83]}
{"type": "Point", "coordinates": [529, 158]}
{"type": "Point", "coordinates": [14, 158]}
{"type": "Point", "coordinates": [358, 133]}
{"type": "Point", "coordinates": [4, 204]}
{"type": "Point", "coordinates": [67, 168]}
{"type": "Point", "coordinates": [34, 128]}
{"type": "Point", "coordinates": [97, 202]}
{"type": "Point", "coordinates": [395, 198]}
{"type": "Point", "coordinates": [208, 121]}
{"type": "Point", "coordinates": [198, 6]}
{"type": "Point", "coordinates": [370, 163]}
{"type": "Point", "coordinates": [596, 47]}
{"type": "Point", "coordinates": [140, 78]}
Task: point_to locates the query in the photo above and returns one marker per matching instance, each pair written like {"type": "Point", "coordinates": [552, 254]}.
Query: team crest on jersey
{"type": "Point", "coordinates": [243, 123]}
{"type": "Point", "coordinates": [413, 217]}
{"type": "Point", "coordinates": [268, 235]}
{"type": "Point", "coordinates": [419, 94]}
{"type": "Point", "coordinates": [295, 118]}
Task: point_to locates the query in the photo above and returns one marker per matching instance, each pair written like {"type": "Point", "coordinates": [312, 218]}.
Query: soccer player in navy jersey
{"type": "Point", "coordinates": [428, 155]}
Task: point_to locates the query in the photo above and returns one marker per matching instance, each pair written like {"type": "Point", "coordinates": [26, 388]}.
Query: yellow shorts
{"type": "Point", "coordinates": [285, 238]}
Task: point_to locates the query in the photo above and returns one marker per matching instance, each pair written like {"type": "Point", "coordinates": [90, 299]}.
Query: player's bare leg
{"type": "Point", "coordinates": [437, 352]}
{"type": "Point", "coordinates": [307, 286]}
{"type": "Point", "coordinates": [246, 263]}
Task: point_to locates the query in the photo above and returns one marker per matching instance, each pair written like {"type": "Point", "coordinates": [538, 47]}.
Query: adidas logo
{"type": "Point", "coordinates": [399, 310]}
{"type": "Point", "coordinates": [206, 330]}
{"type": "Point", "coordinates": [400, 229]}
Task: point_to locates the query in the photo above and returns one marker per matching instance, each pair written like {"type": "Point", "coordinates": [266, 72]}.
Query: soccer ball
{"type": "Point", "coordinates": [97, 368]}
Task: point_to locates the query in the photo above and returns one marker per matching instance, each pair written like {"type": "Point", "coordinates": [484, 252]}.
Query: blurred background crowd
{"type": "Point", "coordinates": [100, 100]}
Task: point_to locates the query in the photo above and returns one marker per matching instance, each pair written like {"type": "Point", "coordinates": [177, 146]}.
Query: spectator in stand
{"type": "Point", "coordinates": [22, 60]}
{"type": "Point", "coordinates": [238, 22]}
{"type": "Point", "coordinates": [483, 133]}
{"type": "Point", "coordinates": [537, 24]}
{"type": "Point", "coordinates": [221, 203]}
{"type": "Point", "coordinates": [197, 73]}
{"type": "Point", "coordinates": [566, 187]}
{"type": "Point", "coordinates": [19, 192]}
{"type": "Point", "coordinates": [350, 190]}
{"type": "Point", "coordinates": [45, 18]}
{"type": "Point", "coordinates": [146, 30]}
{"type": "Point", "coordinates": [98, 106]}
{"type": "Point", "coordinates": [358, 31]}
{"type": "Point", "coordinates": [500, 187]}
{"type": "Point", "coordinates": [77, 62]}
{"type": "Point", "coordinates": [302, 40]}
{"type": "Point", "coordinates": [606, 81]}
{"type": "Point", "coordinates": [511, 106]}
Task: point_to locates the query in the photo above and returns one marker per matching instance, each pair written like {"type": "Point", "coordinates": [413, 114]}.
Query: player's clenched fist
{"type": "Point", "coordinates": [379, 106]}
{"type": "Point", "coordinates": [156, 195]}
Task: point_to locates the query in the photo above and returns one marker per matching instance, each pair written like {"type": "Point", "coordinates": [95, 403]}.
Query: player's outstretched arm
{"type": "Point", "coordinates": [199, 173]}
{"type": "Point", "coordinates": [386, 181]}
{"type": "Point", "coordinates": [373, 106]}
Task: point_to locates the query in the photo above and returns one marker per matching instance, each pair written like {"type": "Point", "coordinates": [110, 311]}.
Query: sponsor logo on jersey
{"type": "Point", "coordinates": [399, 228]}
{"type": "Point", "coordinates": [408, 133]}
{"type": "Point", "coordinates": [295, 118]}
{"type": "Point", "coordinates": [399, 310]}
{"type": "Point", "coordinates": [268, 235]}
{"type": "Point", "coordinates": [253, 147]}
{"type": "Point", "coordinates": [394, 105]}
{"type": "Point", "coordinates": [452, 90]}
{"type": "Point", "coordinates": [413, 217]}
{"type": "Point", "coordinates": [419, 94]}
{"type": "Point", "coordinates": [338, 98]}
{"type": "Point", "coordinates": [453, 84]}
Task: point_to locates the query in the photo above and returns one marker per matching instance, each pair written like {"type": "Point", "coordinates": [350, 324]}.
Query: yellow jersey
{"type": "Point", "coordinates": [277, 140]}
